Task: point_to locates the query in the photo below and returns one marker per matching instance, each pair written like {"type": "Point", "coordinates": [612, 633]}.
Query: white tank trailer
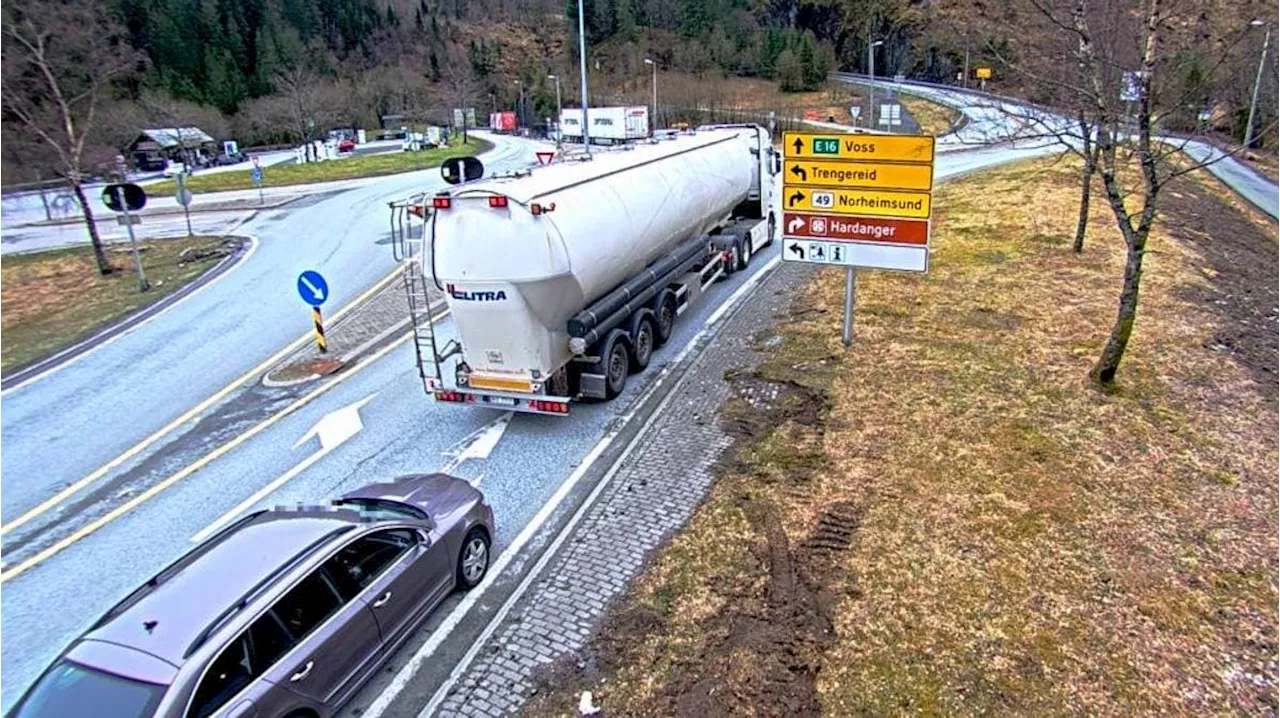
{"type": "Point", "coordinates": [563, 280]}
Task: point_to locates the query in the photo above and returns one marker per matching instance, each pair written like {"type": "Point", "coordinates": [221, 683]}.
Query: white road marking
{"type": "Point", "coordinates": [442, 632]}
{"type": "Point", "coordinates": [333, 429]}
{"type": "Point", "coordinates": [476, 445]}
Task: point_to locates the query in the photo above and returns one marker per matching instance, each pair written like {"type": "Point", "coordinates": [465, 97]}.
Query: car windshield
{"type": "Point", "coordinates": [382, 509]}
{"type": "Point", "coordinates": [67, 688]}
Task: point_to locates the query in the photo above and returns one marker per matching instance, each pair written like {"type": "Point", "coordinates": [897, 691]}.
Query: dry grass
{"type": "Point", "coordinates": [682, 92]}
{"type": "Point", "coordinates": [1025, 544]}
{"type": "Point", "coordinates": [53, 299]}
{"type": "Point", "coordinates": [934, 119]}
{"type": "Point", "coordinates": [1265, 161]}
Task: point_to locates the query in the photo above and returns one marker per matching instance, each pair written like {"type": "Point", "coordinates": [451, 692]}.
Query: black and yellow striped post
{"type": "Point", "coordinates": [321, 343]}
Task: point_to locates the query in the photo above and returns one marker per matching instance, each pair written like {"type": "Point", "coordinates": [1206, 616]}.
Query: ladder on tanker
{"type": "Point", "coordinates": [408, 244]}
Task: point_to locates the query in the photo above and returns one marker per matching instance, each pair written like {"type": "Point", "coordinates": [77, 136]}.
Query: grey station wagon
{"type": "Point", "coordinates": [284, 613]}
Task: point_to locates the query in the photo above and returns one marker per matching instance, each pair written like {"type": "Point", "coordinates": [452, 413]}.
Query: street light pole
{"type": "Point", "coordinates": [654, 118]}
{"type": "Point", "coordinates": [1253, 105]}
{"type": "Point", "coordinates": [520, 107]}
{"type": "Point", "coordinates": [559, 111]}
{"type": "Point", "coordinates": [582, 58]}
{"type": "Point", "coordinates": [871, 88]}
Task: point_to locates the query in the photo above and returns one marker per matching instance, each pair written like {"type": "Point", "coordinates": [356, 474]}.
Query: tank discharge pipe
{"type": "Point", "coordinates": [613, 308]}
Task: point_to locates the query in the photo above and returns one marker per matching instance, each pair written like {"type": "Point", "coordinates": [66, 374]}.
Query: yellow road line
{"type": "Point", "coordinates": [200, 463]}
{"type": "Point", "coordinates": [190, 414]}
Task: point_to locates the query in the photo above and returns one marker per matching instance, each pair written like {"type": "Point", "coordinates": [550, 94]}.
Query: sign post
{"type": "Point", "coordinates": [314, 290]}
{"type": "Point", "coordinates": [857, 201]}
{"type": "Point", "coordinates": [256, 174]}
{"type": "Point", "coordinates": [125, 198]}
{"type": "Point", "coordinates": [183, 196]}
{"type": "Point", "coordinates": [983, 74]}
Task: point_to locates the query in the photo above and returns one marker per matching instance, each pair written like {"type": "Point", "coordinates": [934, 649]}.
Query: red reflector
{"type": "Point", "coordinates": [441, 202]}
{"type": "Point", "coordinates": [535, 209]}
{"type": "Point", "coordinates": [498, 201]}
{"type": "Point", "coordinates": [553, 407]}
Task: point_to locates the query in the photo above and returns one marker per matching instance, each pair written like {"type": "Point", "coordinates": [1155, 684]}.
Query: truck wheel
{"type": "Point", "coordinates": [773, 227]}
{"type": "Point", "coordinates": [743, 252]}
{"type": "Point", "coordinates": [617, 363]}
{"type": "Point", "coordinates": [642, 342]}
{"type": "Point", "coordinates": [664, 317]}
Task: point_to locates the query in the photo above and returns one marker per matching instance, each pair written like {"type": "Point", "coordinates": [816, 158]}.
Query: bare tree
{"type": "Point", "coordinates": [459, 84]}
{"type": "Point", "coordinates": [59, 59]}
{"type": "Point", "coordinates": [1114, 66]}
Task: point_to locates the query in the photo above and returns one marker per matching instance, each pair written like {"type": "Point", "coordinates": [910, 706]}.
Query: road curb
{"type": "Point", "coordinates": [122, 326]}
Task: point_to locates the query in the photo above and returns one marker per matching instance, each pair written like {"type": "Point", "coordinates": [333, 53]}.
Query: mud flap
{"type": "Point", "coordinates": [593, 386]}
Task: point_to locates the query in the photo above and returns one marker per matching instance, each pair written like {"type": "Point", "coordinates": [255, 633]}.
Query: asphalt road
{"type": "Point", "coordinates": [19, 208]}
{"type": "Point", "coordinates": [61, 428]}
{"type": "Point", "coordinates": [91, 410]}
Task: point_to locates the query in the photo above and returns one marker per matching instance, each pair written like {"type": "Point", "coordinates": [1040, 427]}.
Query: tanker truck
{"type": "Point", "coordinates": [562, 280]}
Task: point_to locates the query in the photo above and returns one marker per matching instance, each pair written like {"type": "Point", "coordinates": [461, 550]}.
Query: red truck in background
{"type": "Point", "coordinates": [502, 121]}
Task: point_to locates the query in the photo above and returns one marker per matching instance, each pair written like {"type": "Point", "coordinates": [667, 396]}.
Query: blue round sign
{"type": "Point", "coordinates": [312, 288]}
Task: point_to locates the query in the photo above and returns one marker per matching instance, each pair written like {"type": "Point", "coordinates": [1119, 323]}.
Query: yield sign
{"type": "Point", "coordinates": [544, 158]}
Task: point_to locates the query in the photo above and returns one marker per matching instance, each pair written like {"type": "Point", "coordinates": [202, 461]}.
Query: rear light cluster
{"type": "Point", "coordinates": [554, 407]}
{"type": "Point", "coordinates": [498, 201]}
{"type": "Point", "coordinates": [455, 396]}
{"type": "Point", "coordinates": [441, 201]}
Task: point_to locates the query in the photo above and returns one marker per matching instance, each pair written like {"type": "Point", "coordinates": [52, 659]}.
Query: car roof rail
{"type": "Point", "coordinates": [228, 613]}
{"type": "Point", "coordinates": [168, 572]}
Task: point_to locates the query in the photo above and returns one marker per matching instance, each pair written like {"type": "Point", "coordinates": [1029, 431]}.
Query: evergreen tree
{"type": "Point", "coordinates": [790, 73]}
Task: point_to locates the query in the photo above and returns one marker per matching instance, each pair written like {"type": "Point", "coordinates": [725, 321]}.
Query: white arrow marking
{"type": "Point", "coordinates": [794, 224]}
{"type": "Point", "coordinates": [315, 291]}
{"type": "Point", "coordinates": [478, 444]}
{"type": "Point", "coordinates": [333, 430]}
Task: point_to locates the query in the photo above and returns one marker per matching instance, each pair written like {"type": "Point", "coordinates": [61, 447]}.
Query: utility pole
{"type": "Point", "coordinates": [520, 106]}
{"type": "Point", "coordinates": [559, 110]}
{"type": "Point", "coordinates": [1257, 81]}
{"type": "Point", "coordinates": [582, 59]}
{"type": "Point", "coordinates": [654, 118]}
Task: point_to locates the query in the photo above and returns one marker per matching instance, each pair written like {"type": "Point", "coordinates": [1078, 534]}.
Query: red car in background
{"type": "Point", "coordinates": [347, 145]}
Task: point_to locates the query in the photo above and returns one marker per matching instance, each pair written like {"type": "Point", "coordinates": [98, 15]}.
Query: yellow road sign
{"type": "Point", "coordinates": [872, 203]}
{"type": "Point", "coordinates": [887, 148]}
{"type": "Point", "coordinates": [875, 175]}
{"type": "Point", "coordinates": [983, 73]}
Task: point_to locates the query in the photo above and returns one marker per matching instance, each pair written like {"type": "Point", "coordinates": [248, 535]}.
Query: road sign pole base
{"type": "Point", "coordinates": [849, 284]}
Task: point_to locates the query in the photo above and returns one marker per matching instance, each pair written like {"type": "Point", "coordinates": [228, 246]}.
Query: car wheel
{"type": "Point", "coordinates": [473, 561]}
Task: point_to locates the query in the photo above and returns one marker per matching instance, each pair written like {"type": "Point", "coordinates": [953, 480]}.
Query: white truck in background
{"type": "Point", "coordinates": [609, 125]}
{"type": "Point", "coordinates": [562, 280]}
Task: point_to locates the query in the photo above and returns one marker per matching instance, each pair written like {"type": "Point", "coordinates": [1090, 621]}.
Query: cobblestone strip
{"type": "Point", "coordinates": [384, 312]}
{"type": "Point", "coordinates": [651, 496]}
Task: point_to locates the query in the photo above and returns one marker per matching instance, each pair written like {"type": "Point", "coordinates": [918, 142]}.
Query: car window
{"type": "Point", "coordinates": [358, 563]}
{"type": "Point", "coordinates": [66, 688]}
{"type": "Point", "coordinates": [246, 658]}
{"type": "Point", "coordinates": [307, 605]}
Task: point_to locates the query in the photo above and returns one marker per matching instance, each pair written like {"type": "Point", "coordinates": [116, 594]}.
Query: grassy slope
{"type": "Point", "coordinates": [53, 299]}
{"type": "Point", "coordinates": [934, 119]}
{"type": "Point", "coordinates": [384, 163]}
{"type": "Point", "coordinates": [1018, 543]}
